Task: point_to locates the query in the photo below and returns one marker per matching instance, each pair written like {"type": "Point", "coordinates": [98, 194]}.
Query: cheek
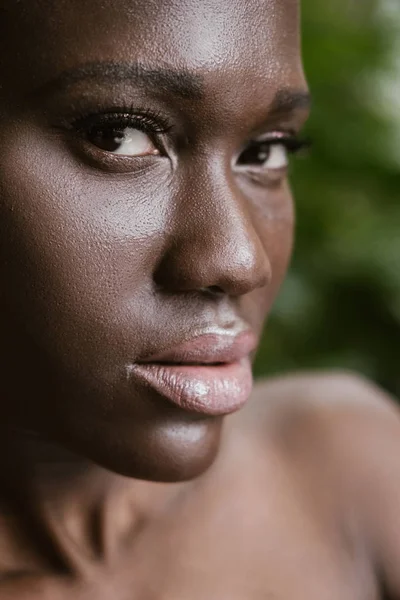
{"type": "Point", "coordinates": [280, 250]}
{"type": "Point", "coordinates": [76, 247]}
{"type": "Point", "coordinates": [279, 235]}
{"type": "Point", "coordinates": [275, 224]}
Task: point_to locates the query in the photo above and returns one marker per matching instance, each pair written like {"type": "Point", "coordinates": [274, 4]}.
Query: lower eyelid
{"type": "Point", "coordinates": [92, 157]}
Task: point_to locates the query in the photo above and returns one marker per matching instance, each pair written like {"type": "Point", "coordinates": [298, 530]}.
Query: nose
{"type": "Point", "coordinates": [213, 245]}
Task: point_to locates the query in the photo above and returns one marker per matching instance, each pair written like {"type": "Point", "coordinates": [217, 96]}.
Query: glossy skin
{"type": "Point", "coordinates": [107, 259]}
{"type": "Point", "coordinates": [112, 259]}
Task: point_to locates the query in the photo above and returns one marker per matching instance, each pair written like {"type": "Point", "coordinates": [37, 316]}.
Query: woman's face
{"type": "Point", "coordinates": [144, 204]}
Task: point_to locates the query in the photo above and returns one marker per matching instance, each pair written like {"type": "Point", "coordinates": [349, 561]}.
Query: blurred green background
{"type": "Point", "coordinates": [340, 305]}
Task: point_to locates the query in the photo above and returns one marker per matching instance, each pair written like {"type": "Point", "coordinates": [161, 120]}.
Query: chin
{"type": "Point", "coordinates": [132, 432]}
{"type": "Point", "coordinates": [164, 452]}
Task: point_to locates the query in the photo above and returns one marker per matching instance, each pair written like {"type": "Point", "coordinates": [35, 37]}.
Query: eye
{"type": "Point", "coordinates": [127, 133]}
{"type": "Point", "coordinates": [122, 141]}
{"type": "Point", "coordinates": [267, 160]}
{"type": "Point", "coordinates": [265, 156]}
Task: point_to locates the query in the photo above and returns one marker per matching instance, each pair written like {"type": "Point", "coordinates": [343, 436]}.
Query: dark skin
{"type": "Point", "coordinates": [107, 490]}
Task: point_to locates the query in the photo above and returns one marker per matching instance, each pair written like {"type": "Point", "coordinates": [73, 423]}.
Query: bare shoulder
{"type": "Point", "coordinates": [336, 390]}
{"type": "Point", "coordinates": [341, 433]}
{"type": "Point", "coordinates": [326, 402]}
{"type": "Point", "coordinates": [342, 415]}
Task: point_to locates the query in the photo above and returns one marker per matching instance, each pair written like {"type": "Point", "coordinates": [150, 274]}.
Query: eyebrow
{"type": "Point", "coordinates": [287, 100]}
{"type": "Point", "coordinates": [180, 82]}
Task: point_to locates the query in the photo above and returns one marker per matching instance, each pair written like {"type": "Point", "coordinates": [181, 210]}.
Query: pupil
{"type": "Point", "coordinates": [255, 154]}
{"type": "Point", "coordinates": [107, 139]}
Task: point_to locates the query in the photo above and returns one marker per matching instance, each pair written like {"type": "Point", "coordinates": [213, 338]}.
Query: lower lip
{"type": "Point", "coordinates": [209, 390]}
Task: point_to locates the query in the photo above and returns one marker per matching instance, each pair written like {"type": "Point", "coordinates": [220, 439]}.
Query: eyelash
{"type": "Point", "coordinates": [155, 124]}
{"type": "Point", "coordinates": [290, 140]}
{"type": "Point", "coordinates": [144, 120]}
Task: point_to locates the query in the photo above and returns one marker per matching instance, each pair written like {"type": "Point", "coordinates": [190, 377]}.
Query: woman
{"type": "Point", "coordinates": [146, 226]}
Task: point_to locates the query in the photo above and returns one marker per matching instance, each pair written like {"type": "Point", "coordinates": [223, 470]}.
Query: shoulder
{"type": "Point", "coordinates": [343, 415]}
{"type": "Point", "coordinates": [341, 433]}
{"type": "Point", "coordinates": [325, 389]}
{"type": "Point", "coordinates": [327, 400]}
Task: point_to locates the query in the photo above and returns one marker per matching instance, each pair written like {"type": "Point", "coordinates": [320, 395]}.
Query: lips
{"type": "Point", "coordinates": [209, 374]}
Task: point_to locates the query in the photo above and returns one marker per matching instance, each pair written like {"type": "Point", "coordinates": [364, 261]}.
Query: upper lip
{"type": "Point", "coordinates": [206, 348]}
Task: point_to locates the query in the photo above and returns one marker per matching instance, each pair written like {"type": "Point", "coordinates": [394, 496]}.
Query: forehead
{"type": "Point", "coordinates": [233, 39]}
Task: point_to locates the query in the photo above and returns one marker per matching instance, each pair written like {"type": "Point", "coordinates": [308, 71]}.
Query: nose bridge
{"type": "Point", "coordinates": [215, 242]}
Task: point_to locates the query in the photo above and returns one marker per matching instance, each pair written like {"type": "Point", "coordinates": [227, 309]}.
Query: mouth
{"type": "Point", "coordinates": [209, 374]}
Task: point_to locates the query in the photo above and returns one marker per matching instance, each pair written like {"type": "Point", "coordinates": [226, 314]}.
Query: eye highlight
{"type": "Point", "coordinates": [126, 141]}
{"type": "Point", "coordinates": [269, 156]}
{"type": "Point", "coordinates": [130, 135]}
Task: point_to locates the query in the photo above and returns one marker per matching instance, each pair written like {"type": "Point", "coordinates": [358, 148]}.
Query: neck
{"type": "Point", "coordinates": [73, 513]}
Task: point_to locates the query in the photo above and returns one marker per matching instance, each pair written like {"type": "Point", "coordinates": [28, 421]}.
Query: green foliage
{"type": "Point", "coordinates": [340, 306]}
